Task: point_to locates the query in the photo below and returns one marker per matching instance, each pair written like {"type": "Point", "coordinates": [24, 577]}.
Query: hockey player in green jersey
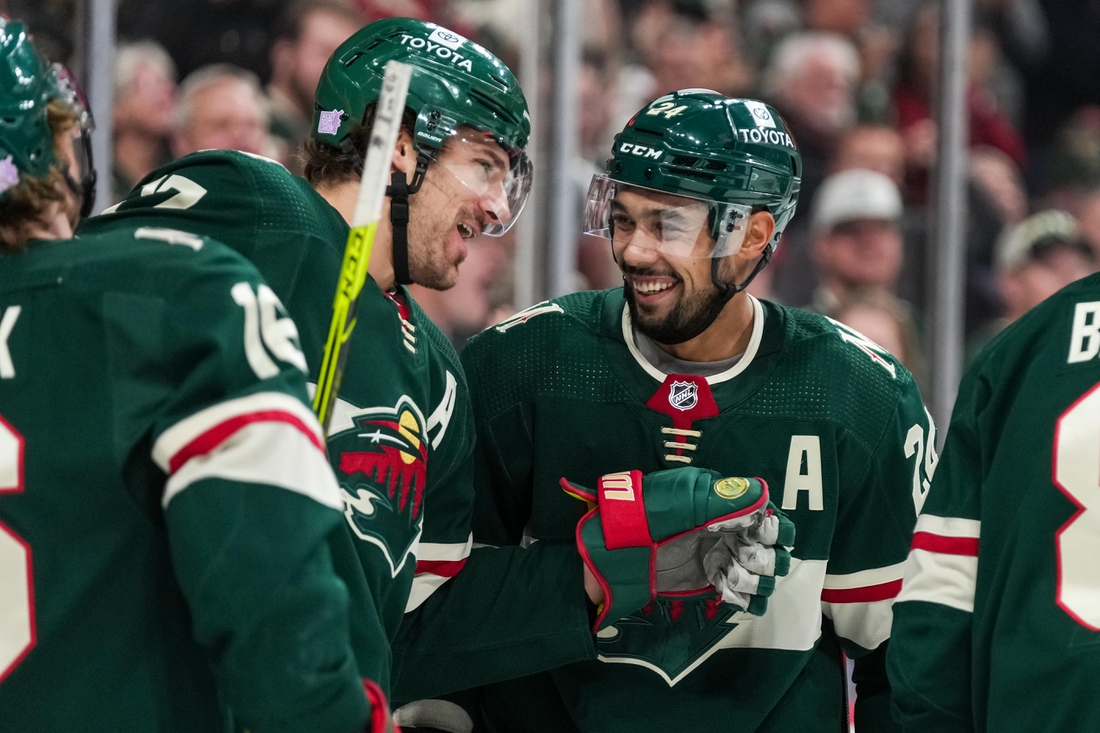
{"type": "Point", "coordinates": [401, 440]}
{"type": "Point", "coordinates": [164, 495]}
{"type": "Point", "coordinates": [997, 627]}
{"type": "Point", "coordinates": [682, 367]}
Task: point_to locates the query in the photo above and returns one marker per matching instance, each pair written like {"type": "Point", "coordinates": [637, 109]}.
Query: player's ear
{"type": "Point", "coordinates": [404, 155]}
{"type": "Point", "coordinates": [758, 232]}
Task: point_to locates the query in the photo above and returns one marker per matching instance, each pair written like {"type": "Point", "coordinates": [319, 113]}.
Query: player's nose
{"type": "Point", "coordinates": [637, 250]}
{"type": "Point", "coordinates": [495, 205]}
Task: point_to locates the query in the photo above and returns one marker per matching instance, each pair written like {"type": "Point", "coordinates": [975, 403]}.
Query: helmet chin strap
{"type": "Point", "coordinates": [399, 191]}
{"type": "Point", "coordinates": [84, 189]}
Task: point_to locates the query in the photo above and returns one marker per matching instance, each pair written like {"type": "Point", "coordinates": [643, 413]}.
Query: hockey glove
{"type": "Point", "coordinates": [681, 533]}
{"type": "Point", "coordinates": [380, 719]}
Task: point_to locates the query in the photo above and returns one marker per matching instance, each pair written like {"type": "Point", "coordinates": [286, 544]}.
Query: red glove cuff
{"type": "Point", "coordinates": [380, 719]}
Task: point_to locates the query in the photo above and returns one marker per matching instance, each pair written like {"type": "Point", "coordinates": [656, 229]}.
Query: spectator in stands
{"type": "Point", "coordinates": [845, 17]}
{"type": "Point", "coordinates": [690, 43]}
{"type": "Point", "coordinates": [143, 115]}
{"type": "Point", "coordinates": [1035, 259]}
{"type": "Point", "coordinates": [857, 242]}
{"type": "Point", "coordinates": [872, 147]}
{"type": "Point", "coordinates": [1070, 168]}
{"type": "Point", "coordinates": [812, 80]}
{"type": "Point", "coordinates": [200, 33]}
{"type": "Point", "coordinates": [221, 107]}
{"type": "Point", "coordinates": [888, 322]}
{"type": "Point", "coordinates": [765, 22]}
{"type": "Point", "coordinates": [1038, 257]}
{"type": "Point", "coordinates": [998, 178]}
{"type": "Point", "coordinates": [597, 95]}
{"type": "Point", "coordinates": [307, 35]}
{"type": "Point", "coordinates": [1088, 217]}
{"type": "Point", "coordinates": [877, 46]}
{"type": "Point", "coordinates": [912, 104]}
{"type": "Point", "coordinates": [598, 84]}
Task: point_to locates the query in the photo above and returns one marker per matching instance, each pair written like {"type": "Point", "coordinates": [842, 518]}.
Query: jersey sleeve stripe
{"type": "Point", "coordinates": [867, 594]}
{"type": "Point", "coordinates": [183, 433]}
{"type": "Point", "coordinates": [946, 545]}
{"type": "Point", "coordinates": [866, 623]}
{"type": "Point", "coordinates": [948, 526]}
{"type": "Point", "coordinates": [445, 550]}
{"type": "Point", "coordinates": [865, 578]}
{"type": "Point", "coordinates": [436, 563]}
{"type": "Point", "coordinates": [214, 437]}
{"type": "Point", "coordinates": [270, 453]}
{"type": "Point", "coordinates": [936, 577]}
{"type": "Point", "coordinates": [442, 568]}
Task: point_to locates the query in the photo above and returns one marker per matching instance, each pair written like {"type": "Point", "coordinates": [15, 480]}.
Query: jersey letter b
{"type": "Point", "coordinates": [1084, 343]}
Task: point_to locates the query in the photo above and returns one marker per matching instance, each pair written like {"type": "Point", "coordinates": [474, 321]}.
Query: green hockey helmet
{"type": "Point", "coordinates": [27, 85]}
{"type": "Point", "coordinates": [457, 89]}
{"type": "Point", "coordinates": [725, 158]}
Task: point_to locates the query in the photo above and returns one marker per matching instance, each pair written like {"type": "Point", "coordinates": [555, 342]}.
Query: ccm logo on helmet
{"type": "Point", "coordinates": [440, 50]}
{"type": "Point", "coordinates": [641, 151]}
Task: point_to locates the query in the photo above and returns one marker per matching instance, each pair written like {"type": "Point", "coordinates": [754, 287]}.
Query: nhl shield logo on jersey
{"type": "Point", "coordinates": [383, 486]}
{"type": "Point", "coordinates": [683, 395]}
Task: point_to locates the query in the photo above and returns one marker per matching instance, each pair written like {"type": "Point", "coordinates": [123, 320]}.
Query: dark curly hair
{"type": "Point", "coordinates": [24, 206]}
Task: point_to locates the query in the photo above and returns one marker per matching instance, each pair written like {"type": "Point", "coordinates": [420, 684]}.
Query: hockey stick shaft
{"type": "Point", "coordinates": [364, 225]}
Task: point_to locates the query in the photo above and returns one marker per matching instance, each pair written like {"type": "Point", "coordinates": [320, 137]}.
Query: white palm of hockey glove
{"type": "Point", "coordinates": [646, 537]}
{"type": "Point", "coordinates": [747, 556]}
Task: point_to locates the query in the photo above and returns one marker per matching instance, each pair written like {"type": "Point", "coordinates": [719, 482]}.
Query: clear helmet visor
{"type": "Point", "coordinates": [492, 183]}
{"type": "Point", "coordinates": [676, 225]}
{"type": "Point", "coordinates": [72, 96]}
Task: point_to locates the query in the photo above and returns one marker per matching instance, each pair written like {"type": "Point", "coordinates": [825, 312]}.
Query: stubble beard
{"type": "Point", "coordinates": [680, 320]}
{"type": "Point", "coordinates": [429, 263]}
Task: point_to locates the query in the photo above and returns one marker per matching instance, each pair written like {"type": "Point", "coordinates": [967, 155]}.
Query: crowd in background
{"type": "Point", "coordinates": [854, 79]}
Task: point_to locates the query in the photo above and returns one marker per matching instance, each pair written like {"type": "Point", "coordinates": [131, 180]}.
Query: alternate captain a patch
{"type": "Point", "coordinates": [384, 487]}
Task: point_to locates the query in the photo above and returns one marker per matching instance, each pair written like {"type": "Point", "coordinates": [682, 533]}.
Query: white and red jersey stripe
{"type": "Point", "coordinates": [266, 438]}
{"type": "Point", "coordinates": [861, 604]}
{"type": "Point", "coordinates": [436, 563]}
{"type": "Point", "coordinates": [943, 562]}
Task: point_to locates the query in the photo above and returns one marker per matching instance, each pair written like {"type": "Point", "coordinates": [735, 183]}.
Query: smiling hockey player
{"type": "Point", "coordinates": [682, 367]}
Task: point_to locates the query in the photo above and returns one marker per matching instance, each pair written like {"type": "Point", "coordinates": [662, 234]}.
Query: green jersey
{"type": "Point", "coordinates": [164, 498]}
{"type": "Point", "coordinates": [401, 437]}
{"type": "Point", "coordinates": [832, 423]}
{"type": "Point", "coordinates": [997, 627]}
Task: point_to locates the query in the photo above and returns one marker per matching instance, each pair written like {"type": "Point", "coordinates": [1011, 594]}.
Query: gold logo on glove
{"type": "Point", "coordinates": [731, 488]}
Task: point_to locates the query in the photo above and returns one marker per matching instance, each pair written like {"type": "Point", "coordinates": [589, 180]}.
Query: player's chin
{"type": "Point", "coordinates": [441, 275]}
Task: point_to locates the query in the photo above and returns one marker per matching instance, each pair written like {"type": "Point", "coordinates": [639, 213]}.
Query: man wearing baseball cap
{"type": "Point", "coordinates": [1033, 260]}
{"type": "Point", "coordinates": [1038, 257]}
{"type": "Point", "coordinates": [857, 239]}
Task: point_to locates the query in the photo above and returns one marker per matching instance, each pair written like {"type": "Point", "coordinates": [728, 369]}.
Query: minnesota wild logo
{"type": "Point", "coordinates": [382, 465]}
{"type": "Point", "coordinates": [670, 638]}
